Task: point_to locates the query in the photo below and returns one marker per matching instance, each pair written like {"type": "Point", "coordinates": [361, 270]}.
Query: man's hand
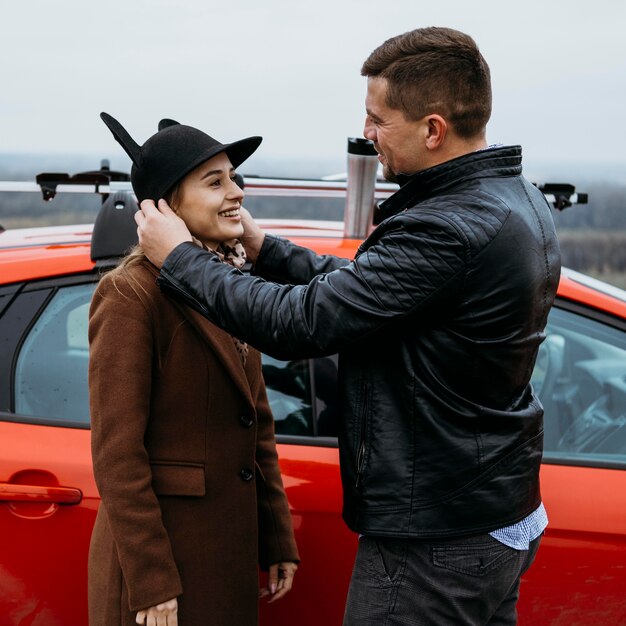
{"type": "Point", "coordinates": [164, 614]}
{"type": "Point", "coordinates": [253, 236]}
{"type": "Point", "coordinates": [279, 580]}
{"type": "Point", "coordinates": [160, 230]}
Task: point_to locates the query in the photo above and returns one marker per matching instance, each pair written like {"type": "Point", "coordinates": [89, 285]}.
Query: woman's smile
{"type": "Point", "coordinates": [231, 213]}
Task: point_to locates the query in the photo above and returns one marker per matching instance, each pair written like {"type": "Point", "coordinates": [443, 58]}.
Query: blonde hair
{"type": "Point", "coordinates": [136, 256]}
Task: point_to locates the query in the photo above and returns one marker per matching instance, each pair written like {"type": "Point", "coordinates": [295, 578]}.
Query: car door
{"type": "Point", "coordinates": [579, 576]}
{"type": "Point", "coordinates": [48, 499]}
{"type": "Point", "coordinates": [303, 396]}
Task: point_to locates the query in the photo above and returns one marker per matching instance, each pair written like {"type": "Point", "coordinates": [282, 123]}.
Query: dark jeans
{"type": "Point", "coordinates": [471, 581]}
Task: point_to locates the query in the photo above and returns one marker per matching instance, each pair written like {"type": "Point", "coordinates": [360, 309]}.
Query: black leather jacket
{"type": "Point", "coordinates": [437, 322]}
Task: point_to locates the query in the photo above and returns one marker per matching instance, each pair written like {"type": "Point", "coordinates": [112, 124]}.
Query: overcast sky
{"type": "Point", "coordinates": [289, 71]}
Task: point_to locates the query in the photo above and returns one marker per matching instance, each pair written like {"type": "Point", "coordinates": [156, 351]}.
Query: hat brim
{"type": "Point", "coordinates": [240, 151]}
{"type": "Point", "coordinates": [237, 152]}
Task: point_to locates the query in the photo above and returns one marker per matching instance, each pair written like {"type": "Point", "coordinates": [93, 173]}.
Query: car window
{"type": "Point", "coordinates": [326, 395]}
{"type": "Point", "coordinates": [288, 385]}
{"type": "Point", "coordinates": [580, 377]}
{"type": "Point", "coordinates": [51, 368]}
{"type": "Point", "coordinates": [50, 381]}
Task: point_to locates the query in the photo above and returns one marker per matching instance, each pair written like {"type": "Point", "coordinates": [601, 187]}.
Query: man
{"type": "Point", "coordinates": [437, 322]}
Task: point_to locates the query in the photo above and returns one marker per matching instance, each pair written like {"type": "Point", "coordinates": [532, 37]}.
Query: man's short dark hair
{"type": "Point", "coordinates": [435, 70]}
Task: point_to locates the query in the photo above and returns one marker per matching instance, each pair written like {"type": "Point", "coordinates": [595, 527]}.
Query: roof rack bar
{"type": "Point", "coordinates": [111, 187]}
{"type": "Point", "coordinates": [559, 195]}
{"type": "Point", "coordinates": [254, 187]}
{"type": "Point", "coordinates": [562, 195]}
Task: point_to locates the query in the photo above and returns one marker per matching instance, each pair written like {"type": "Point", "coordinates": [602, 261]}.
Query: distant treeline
{"type": "Point", "coordinates": [593, 236]}
{"type": "Point", "coordinates": [596, 252]}
{"type": "Point", "coordinates": [606, 209]}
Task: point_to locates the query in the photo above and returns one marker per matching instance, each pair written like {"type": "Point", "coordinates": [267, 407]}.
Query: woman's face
{"type": "Point", "coordinates": [209, 200]}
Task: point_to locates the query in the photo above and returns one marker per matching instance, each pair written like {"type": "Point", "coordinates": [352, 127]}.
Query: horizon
{"type": "Point", "coordinates": [25, 165]}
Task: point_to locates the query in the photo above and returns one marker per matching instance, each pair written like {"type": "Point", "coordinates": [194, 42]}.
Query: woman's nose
{"type": "Point", "coordinates": [235, 191]}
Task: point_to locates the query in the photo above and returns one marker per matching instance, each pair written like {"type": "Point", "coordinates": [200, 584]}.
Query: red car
{"type": "Point", "coordinates": [48, 498]}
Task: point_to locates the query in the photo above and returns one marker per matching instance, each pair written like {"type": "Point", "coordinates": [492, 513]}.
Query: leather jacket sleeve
{"type": "Point", "coordinates": [409, 265]}
{"type": "Point", "coordinates": [282, 261]}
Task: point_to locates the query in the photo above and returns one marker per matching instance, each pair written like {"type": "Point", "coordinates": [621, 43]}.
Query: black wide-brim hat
{"type": "Point", "coordinates": [171, 153]}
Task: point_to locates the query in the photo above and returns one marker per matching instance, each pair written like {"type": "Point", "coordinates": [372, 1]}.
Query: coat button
{"type": "Point", "coordinates": [246, 474]}
{"type": "Point", "coordinates": [246, 421]}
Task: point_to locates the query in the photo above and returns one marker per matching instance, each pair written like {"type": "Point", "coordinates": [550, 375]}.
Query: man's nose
{"type": "Point", "coordinates": [369, 130]}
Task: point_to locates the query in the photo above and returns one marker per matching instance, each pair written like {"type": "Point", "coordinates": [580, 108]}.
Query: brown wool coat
{"type": "Point", "coordinates": [185, 461]}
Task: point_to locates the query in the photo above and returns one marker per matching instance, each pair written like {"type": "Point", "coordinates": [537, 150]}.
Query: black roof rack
{"type": "Point", "coordinates": [562, 194]}
{"type": "Point", "coordinates": [48, 181]}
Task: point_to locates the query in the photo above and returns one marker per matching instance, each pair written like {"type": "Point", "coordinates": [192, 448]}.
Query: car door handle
{"type": "Point", "coordinates": [36, 493]}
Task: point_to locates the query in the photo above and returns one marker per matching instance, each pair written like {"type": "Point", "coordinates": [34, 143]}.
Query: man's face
{"type": "Point", "coordinates": [398, 141]}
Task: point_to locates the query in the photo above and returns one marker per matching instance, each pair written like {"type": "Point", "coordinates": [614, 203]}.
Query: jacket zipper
{"type": "Point", "coordinates": [360, 457]}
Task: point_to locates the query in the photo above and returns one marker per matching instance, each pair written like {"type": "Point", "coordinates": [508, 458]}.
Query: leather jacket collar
{"type": "Point", "coordinates": [501, 161]}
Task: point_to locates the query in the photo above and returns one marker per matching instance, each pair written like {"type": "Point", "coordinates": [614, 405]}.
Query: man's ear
{"type": "Point", "coordinates": [436, 131]}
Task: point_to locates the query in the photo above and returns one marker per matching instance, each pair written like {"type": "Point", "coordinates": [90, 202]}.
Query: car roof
{"type": "Point", "coordinates": [29, 254]}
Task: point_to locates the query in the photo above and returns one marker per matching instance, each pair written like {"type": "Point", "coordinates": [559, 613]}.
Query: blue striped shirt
{"type": "Point", "coordinates": [519, 535]}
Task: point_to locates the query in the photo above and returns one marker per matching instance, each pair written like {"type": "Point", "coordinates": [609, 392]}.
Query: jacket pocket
{"type": "Point", "coordinates": [384, 557]}
{"type": "Point", "coordinates": [474, 559]}
{"type": "Point", "coordinates": [178, 479]}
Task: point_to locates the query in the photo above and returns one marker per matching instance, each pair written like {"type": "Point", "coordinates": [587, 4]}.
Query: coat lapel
{"type": "Point", "coordinates": [246, 380]}
{"type": "Point", "coordinates": [222, 344]}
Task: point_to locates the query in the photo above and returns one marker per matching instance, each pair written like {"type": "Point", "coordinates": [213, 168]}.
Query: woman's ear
{"type": "Point", "coordinates": [173, 198]}
{"type": "Point", "coordinates": [437, 129]}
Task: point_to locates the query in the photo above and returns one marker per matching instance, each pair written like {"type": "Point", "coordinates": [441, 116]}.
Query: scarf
{"type": "Point", "coordinates": [232, 253]}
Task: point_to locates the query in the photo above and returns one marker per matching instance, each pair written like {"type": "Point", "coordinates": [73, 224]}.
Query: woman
{"type": "Point", "coordinates": [182, 434]}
